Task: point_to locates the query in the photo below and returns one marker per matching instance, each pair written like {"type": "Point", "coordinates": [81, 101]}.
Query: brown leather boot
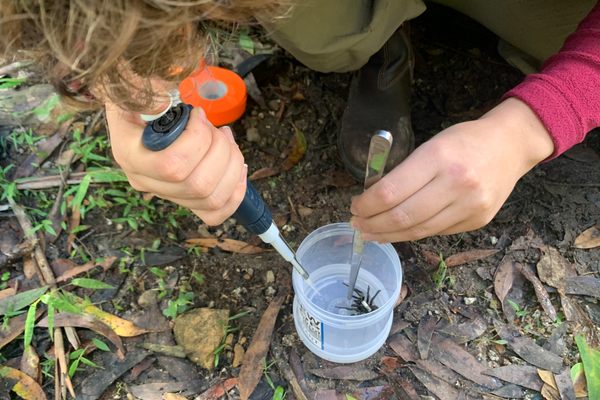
{"type": "Point", "coordinates": [379, 99]}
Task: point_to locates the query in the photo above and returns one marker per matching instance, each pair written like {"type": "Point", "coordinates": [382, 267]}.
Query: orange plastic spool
{"type": "Point", "coordinates": [221, 93]}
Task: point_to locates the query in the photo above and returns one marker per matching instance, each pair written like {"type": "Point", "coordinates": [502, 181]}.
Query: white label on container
{"type": "Point", "coordinates": [312, 327]}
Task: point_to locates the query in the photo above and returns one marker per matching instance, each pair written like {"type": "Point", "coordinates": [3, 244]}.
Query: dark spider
{"type": "Point", "coordinates": [362, 304]}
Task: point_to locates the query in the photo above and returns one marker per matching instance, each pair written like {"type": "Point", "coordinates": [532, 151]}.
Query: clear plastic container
{"type": "Point", "coordinates": [322, 321]}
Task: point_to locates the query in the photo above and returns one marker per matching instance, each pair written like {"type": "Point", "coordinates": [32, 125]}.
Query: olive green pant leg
{"type": "Point", "coordinates": [340, 35]}
{"type": "Point", "coordinates": [536, 27]}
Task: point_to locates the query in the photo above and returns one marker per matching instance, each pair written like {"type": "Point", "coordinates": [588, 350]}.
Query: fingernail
{"type": "Point", "coordinates": [202, 114]}
{"type": "Point", "coordinates": [228, 132]}
{"type": "Point", "coordinates": [244, 173]}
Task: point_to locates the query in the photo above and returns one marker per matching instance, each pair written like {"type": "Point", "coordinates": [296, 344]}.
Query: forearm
{"type": "Point", "coordinates": [565, 95]}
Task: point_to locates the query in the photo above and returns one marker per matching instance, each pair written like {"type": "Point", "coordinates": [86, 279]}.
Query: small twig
{"type": "Point", "coordinates": [17, 252]}
{"type": "Point", "coordinates": [298, 388]}
{"type": "Point", "coordinates": [47, 277]}
{"type": "Point", "coordinates": [7, 69]}
{"type": "Point", "coordinates": [50, 181]}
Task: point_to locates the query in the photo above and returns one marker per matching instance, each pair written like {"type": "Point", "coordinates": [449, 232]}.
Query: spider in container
{"type": "Point", "coordinates": [362, 303]}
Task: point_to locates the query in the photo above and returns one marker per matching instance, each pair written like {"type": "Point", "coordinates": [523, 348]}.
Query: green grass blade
{"type": "Point", "coordinates": [21, 300]}
{"type": "Point", "coordinates": [591, 366]}
{"type": "Point", "coordinates": [30, 324]}
{"type": "Point", "coordinates": [51, 321]}
{"type": "Point", "coordinates": [89, 283]}
{"type": "Point", "coordinates": [100, 344]}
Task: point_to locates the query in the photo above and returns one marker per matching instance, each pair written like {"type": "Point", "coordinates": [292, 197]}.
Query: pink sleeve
{"type": "Point", "coordinates": [565, 94]}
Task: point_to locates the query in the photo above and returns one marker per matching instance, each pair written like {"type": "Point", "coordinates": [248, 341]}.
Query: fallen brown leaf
{"type": "Point", "coordinates": [262, 173]}
{"type": "Point", "coordinates": [30, 364]}
{"type": "Point", "coordinates": [435, 385]}
{"type": "Point", "coordinates": [22, 384]}
{"type": "Point", "coordinates": [424, 333]}
{"type": "Point", "coordinates": [298, 149]}
{"type": "Point", "coordinates": [468, 256]}
{"type": "Point", "coordinates": [87, 321]}
{"type": "Point", "coordinates": [522, 375]}
{"type": "Point", "coordinates": [121, 326]}
{"type": "Point", "coordinates": [504, 279]}
{"type": "Point", "coordinates": [439, 370]}
{"type": "Point", "coordinates": [588, 239]}
{"type": "Point", "coordinates": [553, 268]}
{"type": "Point", "coordinates": [173, 396]}
{"type": "Point", "coordinates": [547, 377]}
{"type": "Point", "coordinates": [217, 391]}
{"type": "Point", "coordinates": [528, 350]}
{"type": "Point", "coordinates": [456, 358]}
{"type": "Point", "coordinates": [7, 293]}
{"type": "Point", "coordinates": [389, 364]}
{"type": "Point", "coordinates": [580, 384]}
{"type": "Point", "coordinates": [403, 347]}
{"type": "Point", "coordinates": [141, 367]}
{"type": "Point", "coordinates": [230, 245]}
{"type": "Point", "coordinates": [565, 385]}
{"type": "Point", "coordinates": [540, 292]}
{"type": "Point", "coordinates": [81, 269]}
{"type": "Point", "coordinates": [94, 385]}
{"type": "Point", "coordinates": [583, 285]}
{"type": "Point", "coordinates": [403, 294]}
{"type": "Point", "coordinates": [430, 257]}
{"type": "Point", "coordinates": [549, 393]}
{"type": "Point", "coordinates": [464, 331]}
{"type": "Point", "coordinates": [251, 370]}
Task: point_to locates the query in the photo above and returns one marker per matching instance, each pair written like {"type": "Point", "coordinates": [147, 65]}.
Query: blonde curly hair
{"type": "Point", "coordinates": [93, 51]}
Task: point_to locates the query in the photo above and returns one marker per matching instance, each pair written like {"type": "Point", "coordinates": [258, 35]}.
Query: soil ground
{"type": "Point", "coordinates": [458, 76]}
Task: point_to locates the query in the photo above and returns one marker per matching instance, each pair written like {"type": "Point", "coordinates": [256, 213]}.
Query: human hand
{"type": "Point", "coordinates": [458, 180]}
{"type": "Point", "coordinates": [202, 170]}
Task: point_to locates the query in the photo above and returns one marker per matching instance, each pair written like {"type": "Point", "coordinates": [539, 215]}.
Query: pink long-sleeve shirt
{"type": "Point", "coordinates": [565, 94]}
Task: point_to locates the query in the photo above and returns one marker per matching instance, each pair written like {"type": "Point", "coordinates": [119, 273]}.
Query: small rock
{"type": "Point", "coordinates": [493, 356]}
{"type": "Point", "coordinates": [470, 300]}
{"type": "Point", "coordinates": [173, 396]}
{"type": "Point", "coordinates": [304, 211]}
{"type": "Point", "coordinates": [238, 355]}
{"type": "Point", "coordinates": [199, 332]}
{"type": "Point", "coordinates": [252, 135]}
{"type": "Point", "coordinates": [274, 104]}
{"type": "Point", "coordinates": [270, 291]}
{"type": "Point", "coordinates": [493, 240]}
{"type": "Point", "coordinates": [242, 340]}
{"type": "Point", "coordinates": [270, 277]}
{"type": "Point", "coordinates": [229, 340]}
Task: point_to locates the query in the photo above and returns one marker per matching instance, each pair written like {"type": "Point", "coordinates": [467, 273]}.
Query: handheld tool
{"type": "Point", "coordinates": [163, 129]}
{"type": "Point", "coordinates": [379, 149]}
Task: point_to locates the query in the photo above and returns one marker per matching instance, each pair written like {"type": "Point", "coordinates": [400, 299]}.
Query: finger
{"type": "Point", "coordinates": [173, 164]}
{"type": "Point", "coordinates": [215, 169]}
{"type": "Point", "coordinates": [215, 201]}
{"type": "Point", "coordinates": [217, 217]}
{"type": "Point", "coordinates": [402, 182]}
{"type": "Point", "coordinates": [419, 207]}
{"type": "Point", "coordinates": [446, 218]}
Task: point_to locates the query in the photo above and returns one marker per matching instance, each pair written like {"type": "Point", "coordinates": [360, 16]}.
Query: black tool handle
{"type": "Point", "coordinates": [252, 213]}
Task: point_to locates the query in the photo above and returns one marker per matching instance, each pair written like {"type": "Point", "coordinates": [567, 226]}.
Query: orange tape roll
{"type": "Point", "coordinates": [220, 92]}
